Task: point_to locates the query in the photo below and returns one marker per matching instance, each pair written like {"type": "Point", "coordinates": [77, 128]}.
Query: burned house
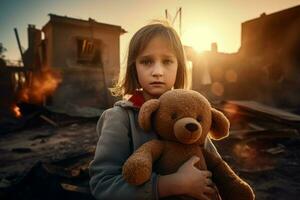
{"type": "Point", "coordinates": [274, 36]}
{"type": "Point", "coordinates": [266, 67]}
{"type": "Point", "coordinates": [272, 43]}
{"type": "Point", "coordinates": [69, 65]}
{"type": "Point", "coordinates": [86, 53]}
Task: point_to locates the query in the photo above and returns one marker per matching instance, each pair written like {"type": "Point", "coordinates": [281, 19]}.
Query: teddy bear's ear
{"type": "Point", "coordinates": [145, 113]}
{"type": "Point", "coordinates": [220, 125]}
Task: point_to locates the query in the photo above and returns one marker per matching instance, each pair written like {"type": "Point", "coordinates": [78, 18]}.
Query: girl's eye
{"type": "Point", "coordinates": [167, 62]}
{"type": "Point", "coordinates": [146, 62]}
{"type": "Point", "coordinates": [199, 118]}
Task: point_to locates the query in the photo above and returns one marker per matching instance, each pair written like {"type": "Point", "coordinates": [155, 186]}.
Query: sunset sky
{"type": "Point", "coordinates": [203, 21]}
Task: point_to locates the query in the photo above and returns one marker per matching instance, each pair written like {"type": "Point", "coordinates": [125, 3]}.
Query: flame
{"type": "Point", "coordinates": [16, 111]}
{"type": "Point", "coordinates": [42, 84]}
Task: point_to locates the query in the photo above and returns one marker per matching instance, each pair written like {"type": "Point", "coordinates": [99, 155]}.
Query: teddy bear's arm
{"type": "Point", "coordinates": [230, 185]}
{"type": "Point", "coordinates": [138, 167]}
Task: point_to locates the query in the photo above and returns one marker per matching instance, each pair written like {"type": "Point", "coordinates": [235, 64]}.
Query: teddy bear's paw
{"type": "Point", "coordinates": [137, 171]}
{"type": "Point", "coordinates": [242, 191]}
{"type": "Point", "coordinates": [246, 192]}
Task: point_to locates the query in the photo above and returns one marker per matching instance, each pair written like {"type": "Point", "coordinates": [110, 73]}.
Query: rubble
{"type": "Point", "coordinates": [263, 148]}
{"type": "Point", "coordinates": [48, 162]}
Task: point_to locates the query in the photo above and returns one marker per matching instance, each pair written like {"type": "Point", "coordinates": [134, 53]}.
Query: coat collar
{"type": "Point", "coordinates": [135, 101]}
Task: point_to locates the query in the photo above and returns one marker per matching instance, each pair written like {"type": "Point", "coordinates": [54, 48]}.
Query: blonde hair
{"type": "Point", "coordinates": [129, 83]}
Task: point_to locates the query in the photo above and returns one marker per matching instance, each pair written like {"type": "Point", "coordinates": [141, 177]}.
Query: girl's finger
{"type": "Point", "coordinates": [209, 181]}
{"type": "Point", "coordinates": [193, 160]}
{"type": "Point", "coordinates": [208, 174]}
{"type": "Point", "coordinates": [209, 190]}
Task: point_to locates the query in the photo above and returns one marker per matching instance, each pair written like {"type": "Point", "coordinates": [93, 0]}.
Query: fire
{"type": "Point", "coordinates": [16, 111]}
{"type": "Point", "coordinates": [42, 84]}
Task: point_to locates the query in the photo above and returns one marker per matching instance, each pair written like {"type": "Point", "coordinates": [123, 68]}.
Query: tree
{"type": "Point", "coordinates": [2, 50]}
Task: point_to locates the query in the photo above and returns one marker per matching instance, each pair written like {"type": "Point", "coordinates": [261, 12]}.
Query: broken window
{"type": "Point", "coordinates": [88, 51]}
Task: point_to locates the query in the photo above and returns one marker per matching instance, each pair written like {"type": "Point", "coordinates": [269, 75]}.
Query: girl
{"type": "Point", "coordinates": [155, 64]}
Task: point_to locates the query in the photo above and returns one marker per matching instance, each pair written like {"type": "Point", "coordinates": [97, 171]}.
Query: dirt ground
{"type": "Point", "coordinates": [268, 159]}
{"type": "Point", "coordinates": [271, 167]}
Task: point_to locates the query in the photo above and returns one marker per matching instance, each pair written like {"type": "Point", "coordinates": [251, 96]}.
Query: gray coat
{"type": "Point", "coordinates": [120, 135]}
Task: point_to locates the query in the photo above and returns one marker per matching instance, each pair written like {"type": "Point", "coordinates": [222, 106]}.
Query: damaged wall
{"type": "Point", "coordinates": [87, 54]}
{"type": "Point", "coordinates": [265, 69]}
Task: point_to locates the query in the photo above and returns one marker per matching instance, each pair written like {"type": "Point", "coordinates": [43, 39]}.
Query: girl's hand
{"type": "Point", "coordinates": [188, 180]}
{"type": "Point", "coordinates": [195, 183]}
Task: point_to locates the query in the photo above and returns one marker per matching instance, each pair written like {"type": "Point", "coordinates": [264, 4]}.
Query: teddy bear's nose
{"type": "Point", "coordinates": [191, 127]}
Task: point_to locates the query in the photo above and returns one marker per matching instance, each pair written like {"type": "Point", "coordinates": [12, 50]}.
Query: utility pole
{"type": "Point", "coordinates": [20, 47]}
{"type": "Point", "coordinates": [178, 14]}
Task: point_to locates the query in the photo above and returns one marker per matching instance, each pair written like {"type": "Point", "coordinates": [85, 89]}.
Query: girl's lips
{"type": "Point", "coordinates": [157, 83]}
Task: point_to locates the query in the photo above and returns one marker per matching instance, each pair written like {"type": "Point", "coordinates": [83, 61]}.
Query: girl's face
{"type": "Point", "coordinates": [156, 68]}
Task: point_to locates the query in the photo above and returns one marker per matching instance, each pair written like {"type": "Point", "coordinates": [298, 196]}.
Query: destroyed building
{"type": "Point", "coordinates": [275, 34]}
{"type": "Point", "coordinates": [266, 67]}
{"type": "Point", "coordinates": [87, 53]}
{"type": "Point", "coordinates": [79, 60]}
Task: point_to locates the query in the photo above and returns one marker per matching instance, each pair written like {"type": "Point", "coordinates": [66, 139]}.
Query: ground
{"type": "Point", "coordinates": [45, 161]}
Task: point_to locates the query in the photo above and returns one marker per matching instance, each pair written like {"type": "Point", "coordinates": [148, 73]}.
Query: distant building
{"type": "Point", "coordinates": [87, 54]}
{"type": "Point", "coordinates": [271, 44]}
{"type": "Point", "coordinates": [69, 65]}
{"type": "Point", "coordinates": [266, 68]}
{"type": "Point", "coordinates": [271, 33]}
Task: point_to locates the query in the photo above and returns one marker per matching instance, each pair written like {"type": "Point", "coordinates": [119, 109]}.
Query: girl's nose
{"type": "Point", "coordinates": [157, 70]}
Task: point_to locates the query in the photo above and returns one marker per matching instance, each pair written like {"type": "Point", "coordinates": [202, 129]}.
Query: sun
{"type": "Point", "coordinates": [199, 37]}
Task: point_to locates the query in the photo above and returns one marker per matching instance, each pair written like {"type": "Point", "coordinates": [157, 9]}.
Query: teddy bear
{"type": "Point", "coordinates": [183, 119]}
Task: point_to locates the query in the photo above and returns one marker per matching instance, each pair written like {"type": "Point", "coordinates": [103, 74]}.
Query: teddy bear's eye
{"type": "Point", "coordinates": [174, 115]}
{"type": "Point", "coordinates": [199, 118]}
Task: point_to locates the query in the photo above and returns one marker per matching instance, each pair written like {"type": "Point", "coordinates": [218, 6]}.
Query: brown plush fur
{"type": "Point", "coordinates": [183, 119]}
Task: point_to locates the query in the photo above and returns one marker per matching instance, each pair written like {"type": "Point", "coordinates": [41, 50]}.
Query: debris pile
{"type": "Point", "coordinates": [49, 160]}
{"type": "Point", "coordinates": [263, 147]}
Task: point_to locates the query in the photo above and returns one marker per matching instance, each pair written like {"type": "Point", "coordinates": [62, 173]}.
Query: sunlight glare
{"type": "Point", "coordinates": [199, 37]}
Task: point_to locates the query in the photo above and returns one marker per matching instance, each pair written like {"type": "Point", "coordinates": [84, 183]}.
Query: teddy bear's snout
{"type": "Point", "coordinates": [191, 127]}
{"type": "Point", "coordinates": [187, 130]}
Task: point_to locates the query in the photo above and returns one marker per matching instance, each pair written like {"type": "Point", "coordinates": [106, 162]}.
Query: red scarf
{"type": "Point", "coordinates": [137, 99]}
